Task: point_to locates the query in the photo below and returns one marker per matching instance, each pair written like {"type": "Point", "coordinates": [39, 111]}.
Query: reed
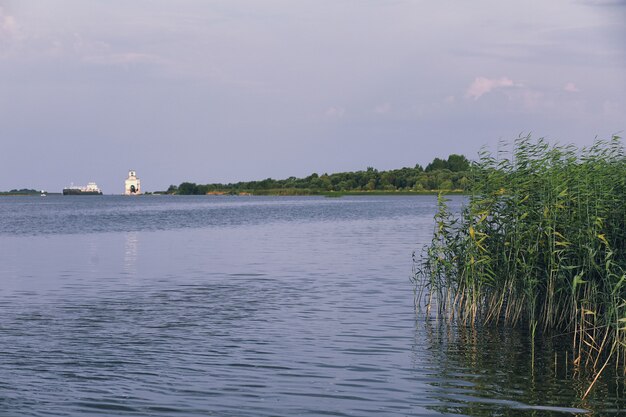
{"type": "Point", "coordinates": [541, 243]}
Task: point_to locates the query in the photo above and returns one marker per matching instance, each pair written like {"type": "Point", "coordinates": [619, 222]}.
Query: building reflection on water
{"type": "Point", "coordinates": [131, 245]}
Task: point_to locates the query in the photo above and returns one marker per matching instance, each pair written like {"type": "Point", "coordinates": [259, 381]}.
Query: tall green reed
{"type": "Point", "coordinates": [541, 243]}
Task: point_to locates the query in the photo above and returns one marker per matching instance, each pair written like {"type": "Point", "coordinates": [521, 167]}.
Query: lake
{"type": "Point", "coordinates": [251, 306]}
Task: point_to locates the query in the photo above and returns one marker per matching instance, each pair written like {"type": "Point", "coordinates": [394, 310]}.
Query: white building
{"type": "Point", "coordinates": [132, 185]}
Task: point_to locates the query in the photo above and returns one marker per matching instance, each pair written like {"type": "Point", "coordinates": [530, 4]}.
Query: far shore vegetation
{"type": "Point", "coordinates": [449, 174]}
{"type": "Point", "coordinates": [21, 192]}
{"type": "Point", "coordinates": [541, 243]}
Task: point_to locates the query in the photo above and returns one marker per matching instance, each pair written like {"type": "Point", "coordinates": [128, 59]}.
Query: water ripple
{"type": "Point", "coordinates": [247, 307]}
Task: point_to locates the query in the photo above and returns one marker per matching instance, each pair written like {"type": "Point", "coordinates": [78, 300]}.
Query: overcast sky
{"type": "Point", "coordinates": [230, 90]}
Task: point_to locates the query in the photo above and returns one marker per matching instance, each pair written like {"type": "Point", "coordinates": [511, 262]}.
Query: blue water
{"type": "Point", "coordinates": [249, 306]}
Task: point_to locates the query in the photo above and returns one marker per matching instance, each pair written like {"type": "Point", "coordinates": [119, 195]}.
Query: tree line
{"type": "Point", "coordinates": [441, 174]}
{"type": "Point", "coordinates": [21, 191]}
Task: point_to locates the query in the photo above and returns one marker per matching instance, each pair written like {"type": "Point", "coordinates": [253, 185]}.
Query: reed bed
{"type": "Point", "coordinates": [541, 243]}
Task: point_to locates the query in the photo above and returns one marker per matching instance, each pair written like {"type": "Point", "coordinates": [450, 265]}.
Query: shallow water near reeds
{"type": "Point", "coordinates": [250, 306]}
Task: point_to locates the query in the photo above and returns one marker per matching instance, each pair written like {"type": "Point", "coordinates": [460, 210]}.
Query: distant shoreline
{"type": "Point", "coordinates": [450, 176]}
{"type": "Point", "coordinates": [278, 193]}
{"type": "Point", "coordinates": [289, 193]}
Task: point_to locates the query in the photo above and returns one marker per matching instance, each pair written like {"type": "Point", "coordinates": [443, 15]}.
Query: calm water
{"type": "Point", "coordinates": [248, 306]}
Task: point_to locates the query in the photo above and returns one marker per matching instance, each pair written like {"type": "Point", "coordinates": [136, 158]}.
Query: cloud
{"type": "Point", "coordinates": [605, 2]}
{"type": "Point", "coordinates": [535, 100]}
{"type": "Point", "coordinates": [571, 88]}
{"type": "Point", "coordinates": [9, 29]}
{"type": "Point", "coordinates": [335, 112]}
{"type": "Point", "coordinates": [127, 58]}
{"type": "Point", "coordinates": [482, 85]}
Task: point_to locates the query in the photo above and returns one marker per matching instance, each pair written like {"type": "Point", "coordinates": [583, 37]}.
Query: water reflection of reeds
{"type": "Point", "coordinates": [485, 371]}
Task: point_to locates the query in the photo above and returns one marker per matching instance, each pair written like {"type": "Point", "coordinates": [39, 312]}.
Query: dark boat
{"type": "Point", "coordinates": [90, 189]}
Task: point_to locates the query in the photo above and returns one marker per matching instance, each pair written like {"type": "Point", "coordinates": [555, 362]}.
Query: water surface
{"type": "Point", "coordinates": [248, 306]}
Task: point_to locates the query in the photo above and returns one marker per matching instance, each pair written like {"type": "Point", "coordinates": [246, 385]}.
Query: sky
{"type": "Point", "coordinates": [230, 90]}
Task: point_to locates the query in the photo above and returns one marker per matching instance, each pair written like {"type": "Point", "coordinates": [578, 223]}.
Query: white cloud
{"type": "Point", "coordinates": [482, 85]}
{"type": "Point", "coordinates": [127, 58]}
{"type": "Point", "coordinates": [571, 88]}
{"type": "Point", "coordinates": [335, 112]}
{"type": "Point", "coordinates": [535, 100]}
{"type": "Point", "coordinates": [9, 29]}
{"type": "Point", "coordinates": [604, 2]}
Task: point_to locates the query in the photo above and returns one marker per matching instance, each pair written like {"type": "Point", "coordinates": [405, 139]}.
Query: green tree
{"type": "Point", "coordinates": [187, 188]}
{"type": "Point", "coordinates": [436, 165]}
{"type": "Point", "coordinates": [446, 185]}
{"type": "Point", "coordinates": [458, 163]}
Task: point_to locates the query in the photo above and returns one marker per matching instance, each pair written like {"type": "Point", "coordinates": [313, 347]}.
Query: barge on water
{"type": "Point", "coordinates": [90, 189]}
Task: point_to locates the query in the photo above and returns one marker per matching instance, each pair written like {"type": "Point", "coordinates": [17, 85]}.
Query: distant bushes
{"type": "Point", "coordinates": [540, 243]}
{"type": "Point", "coordinates": [21, 191]}
{"type": "Point", "coordinates": [450, 174]}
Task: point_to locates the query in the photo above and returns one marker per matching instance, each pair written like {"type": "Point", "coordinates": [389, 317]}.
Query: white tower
{"type": "Point", "coordinates": [132, 185]}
